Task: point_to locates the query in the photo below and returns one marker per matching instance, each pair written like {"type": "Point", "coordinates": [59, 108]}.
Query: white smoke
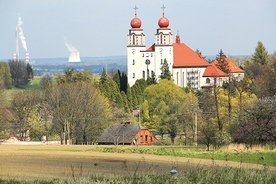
{"type": "Point", "coordinates": [21, 34]}
{"type": "Point", "coordinates": [70, 47]}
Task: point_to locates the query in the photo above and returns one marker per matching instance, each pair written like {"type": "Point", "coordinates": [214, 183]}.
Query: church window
{"type": "Point", "coordinates": [133, 62]}
{"type": "Point", "coordinates": [133, 40]}
{"type": "Point", "coordinates": [151, 54]}
{"type": "Point", "coordinates": [143, 55]}
{"type": "Point", "coordinates": [207, 81]}
{"type": "Point", "coordinates": [133, 75]}
{"type": "Point", "coordinates": [147, 55]}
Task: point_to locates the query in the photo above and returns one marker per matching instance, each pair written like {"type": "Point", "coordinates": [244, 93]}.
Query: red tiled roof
{"type": "Point", "coordinates": [232, 66]}
{"type": "Point", "coordinates": [184, 56]}
{"type": "Point", "coordinates": [213, 71]}
{"type": "Point", "coordinates": [150, 49]}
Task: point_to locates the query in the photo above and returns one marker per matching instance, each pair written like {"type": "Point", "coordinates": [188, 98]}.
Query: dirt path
{"type": "Point", "coordinates": [35, 162]}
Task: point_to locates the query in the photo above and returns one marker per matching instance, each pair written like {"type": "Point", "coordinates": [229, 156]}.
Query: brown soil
{"type": "Point", "coordinates": [49, 161]}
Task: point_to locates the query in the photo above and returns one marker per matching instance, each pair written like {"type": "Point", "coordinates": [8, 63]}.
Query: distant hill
{"type": "Point", "coordinates": [93, 65]}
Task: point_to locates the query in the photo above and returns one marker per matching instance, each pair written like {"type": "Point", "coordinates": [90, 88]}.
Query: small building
{"type": "Point", "coordinates": [126, 134]}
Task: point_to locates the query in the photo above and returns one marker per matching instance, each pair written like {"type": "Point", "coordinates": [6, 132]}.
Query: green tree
{"type": "Point", "coordinates": [266, 82]}
{"type": "Point", "coordinates": [165, 101]}
{"type": "Point", "coordinates": [80, 112]}
{"type": "Point", "coordinates": [261, 55]}
{"type": "Point", "coordinates": [165, 71]}
{"type": "Point", "coordinates": [30, 71]}
{"type": "Point", "coordinates": [29, 123]}
{"type": "Point", "coordinates": [5, 76]}
{"type": "Point", "coordinates": [19, 72]}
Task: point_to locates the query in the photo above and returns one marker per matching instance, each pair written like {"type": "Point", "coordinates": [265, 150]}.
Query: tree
{"type": "Point", "coordinates": [80, 112]}
{"type": "Point", "coordinates": [165, 71]}
{"type": "Point", "coordinates": [30, 122]}
{"type": "Point", "coordinates": [254, 66]}
{"type": "Point", "coordinates": [46, 81]}
{"type": "Point", "coordinates": [258, 124]}
{"type": "Point", "coordinates": [266, 82]}
{"type": "Point", "coordinates": [30, 71]}
{"type": "Point", "coordinates": [165, 101]}
{"type": "Point", "coordinates": [222, 63]}
{"type": "Point", "coordinates": [260, 56]}
{"type": "Point", "coordinates": [19, 72]}
{"type": "Point", "coordinates": [5, 76]}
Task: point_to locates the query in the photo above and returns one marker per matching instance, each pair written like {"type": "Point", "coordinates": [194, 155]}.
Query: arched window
{"type": "Point", "coordinates": [207, 81]}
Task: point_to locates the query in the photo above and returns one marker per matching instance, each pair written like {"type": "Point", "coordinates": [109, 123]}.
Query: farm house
{"type": "Point", "coordinates": [127, 134]}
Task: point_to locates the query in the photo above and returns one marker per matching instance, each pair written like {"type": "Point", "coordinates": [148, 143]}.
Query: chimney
{"type": "Point", "coordinates": [27, 57]}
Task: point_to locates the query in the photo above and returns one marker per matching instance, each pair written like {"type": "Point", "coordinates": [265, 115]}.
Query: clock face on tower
{"type": "Point", "coordinates": [161, 50]}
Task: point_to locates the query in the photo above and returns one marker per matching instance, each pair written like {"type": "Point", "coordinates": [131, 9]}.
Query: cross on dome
{"type": "Point", "coordinates": [135, 22]}
{"type": "Point", "coordinates": [163, 7]}
{"type": "Point", "coordinates": [135, 8]}
{"type": "Point", "coordinates": [163, 21]}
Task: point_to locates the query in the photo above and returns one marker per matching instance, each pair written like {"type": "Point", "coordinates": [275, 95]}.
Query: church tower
{"type": "Point", "coordinates": [136, 43]}
{"type": "Point", "coordinates": [163, 44]}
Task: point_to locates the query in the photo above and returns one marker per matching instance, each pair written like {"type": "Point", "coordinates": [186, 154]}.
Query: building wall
{"type": "Point", "coordinates": [144, 137]}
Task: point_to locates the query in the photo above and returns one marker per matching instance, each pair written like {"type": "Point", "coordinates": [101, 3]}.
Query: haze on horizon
{"type": "Point", "coordinates": [100, 28]}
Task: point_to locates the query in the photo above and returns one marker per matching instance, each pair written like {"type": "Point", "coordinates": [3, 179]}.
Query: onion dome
{"type": "Point", "coordinates": [136, 23]}
{"type": "Point", "coordinates": [163, 22]}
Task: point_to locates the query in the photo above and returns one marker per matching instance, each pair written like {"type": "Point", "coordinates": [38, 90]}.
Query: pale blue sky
{"type": "Point", "coordinates": [100, 28]}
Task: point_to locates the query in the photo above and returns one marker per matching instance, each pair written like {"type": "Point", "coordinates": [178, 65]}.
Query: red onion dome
{"type": "Point", "coordinates": [135, 23]}
{"type": "Point", "coordinates": [163, 22]}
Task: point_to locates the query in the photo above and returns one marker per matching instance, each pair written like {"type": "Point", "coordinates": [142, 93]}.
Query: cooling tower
{"type": "Point", "coordinates": [74, 56]}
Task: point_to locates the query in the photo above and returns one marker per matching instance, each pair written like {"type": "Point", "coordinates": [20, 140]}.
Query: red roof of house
{"type": "Point", "coordinates": [232, 66]}
{"type": "Point", "coordinates": [213, 71]}
{"type": "Point", "coordinates": [184, 56]}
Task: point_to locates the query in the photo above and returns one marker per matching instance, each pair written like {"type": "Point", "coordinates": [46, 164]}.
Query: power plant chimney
{"type": "Point", "coordinates": [27, 57]}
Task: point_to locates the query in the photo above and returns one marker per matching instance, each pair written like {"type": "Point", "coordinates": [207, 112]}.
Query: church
{"type": "Point", "coordinates": [188, 68]}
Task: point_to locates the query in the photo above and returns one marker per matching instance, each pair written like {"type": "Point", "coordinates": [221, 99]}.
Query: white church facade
{"type": "Point", "coordinates": [187, 67]}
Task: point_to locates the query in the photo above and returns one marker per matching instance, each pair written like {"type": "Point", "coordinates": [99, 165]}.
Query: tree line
{"type": "Point", "coordinates": [76, 107]}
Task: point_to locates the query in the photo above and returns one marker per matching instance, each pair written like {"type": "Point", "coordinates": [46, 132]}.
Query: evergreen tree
{"type": "Point", "coordinates": [30, 71]}
{"type": "Point", "coordinates": [151, 80]}
{"type": "Point", "coordinates": [222, 64]}
{"type": "Point", "coordinates": [116, 78]}
{"type": "Point", "coordinates": [165, 71]}
{"type": "Point", "coordinates": [103, 76]}
{"type": "Point", "coordinates": [261, 55]}
{"type": "Point", "coordinates": [5, 76]}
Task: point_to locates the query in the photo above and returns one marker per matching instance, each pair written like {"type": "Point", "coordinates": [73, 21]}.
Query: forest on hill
{"type": "Point", "coordinates": [76, 107]}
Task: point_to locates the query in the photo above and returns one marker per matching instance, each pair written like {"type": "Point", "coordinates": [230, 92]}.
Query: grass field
{"type": "Point", "coordinates": [74, 163]}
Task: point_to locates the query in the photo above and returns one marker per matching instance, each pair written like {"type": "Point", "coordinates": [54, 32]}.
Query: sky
{"type": "Point", "coordinates": [100, 28]}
